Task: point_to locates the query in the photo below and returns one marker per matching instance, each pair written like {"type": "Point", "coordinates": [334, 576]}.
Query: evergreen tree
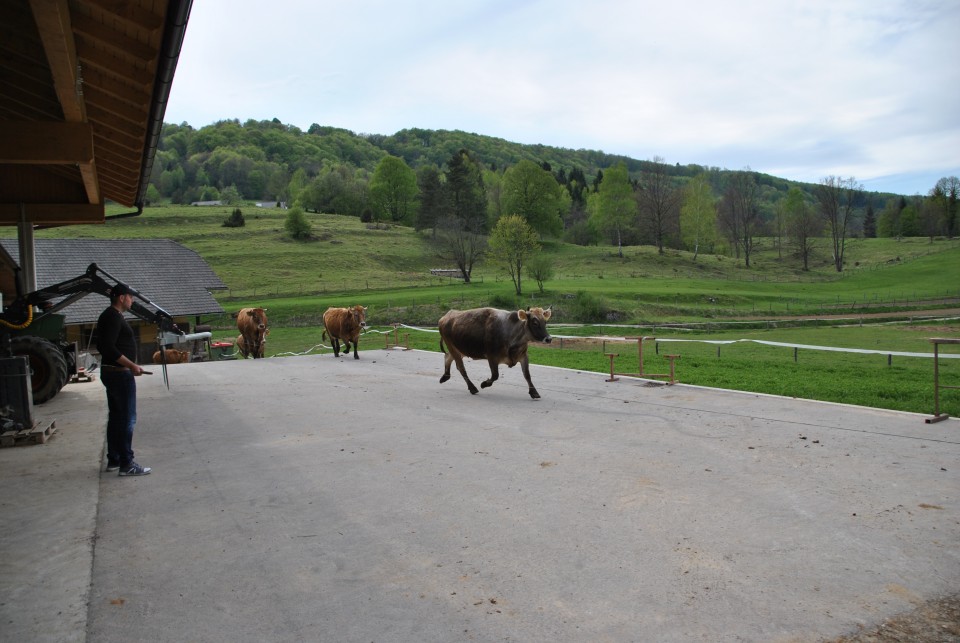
{"type": "Point", "coordinates": [432, 202]}
{"type": "Point", "coordinates": [460, 236]}
{"type": "Point", "coordinates": [870, 223]}
{"type": "Point", "coordinates": [235, 220]}
{"type": "Point", "coordinates": [465, 194]}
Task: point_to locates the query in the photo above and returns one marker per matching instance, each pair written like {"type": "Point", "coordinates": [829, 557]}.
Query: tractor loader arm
{"type": "Point", "coordinates": [19, 313]}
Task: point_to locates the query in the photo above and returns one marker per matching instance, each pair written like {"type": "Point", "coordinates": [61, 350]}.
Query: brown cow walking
{"type": "Point", "coordinates": [344, 324]}
{"type": "Point", "coordinates": [498, 336]}
{"type": "Point", "coordinates": [252, 324]}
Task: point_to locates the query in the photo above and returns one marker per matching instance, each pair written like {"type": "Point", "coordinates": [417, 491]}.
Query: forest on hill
{"type": "Point", "coordinates": [465, 182]}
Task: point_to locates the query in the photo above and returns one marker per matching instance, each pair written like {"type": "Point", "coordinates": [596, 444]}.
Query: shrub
{"type": "Point", "coordinates": [297, 225]}
{"type": "Point", "coordinates": [504, 302]}
{"type": "Point", "coordinates": [589, 308]}
{"type": "Point", "coordinates": [235, 220]}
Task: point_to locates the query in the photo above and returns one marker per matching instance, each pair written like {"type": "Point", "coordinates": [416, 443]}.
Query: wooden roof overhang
{"type": "Point", "coordinates": [83, 90]}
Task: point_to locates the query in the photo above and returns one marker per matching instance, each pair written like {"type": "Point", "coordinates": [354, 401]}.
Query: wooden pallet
{"type": "Point", "coordinates": [38, 434]}
{"type": "Point", "coordinates": [81, 376]}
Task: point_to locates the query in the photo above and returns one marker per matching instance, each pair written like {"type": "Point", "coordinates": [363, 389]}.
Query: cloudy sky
{"type": "Point", "coordinates": [794, 88]}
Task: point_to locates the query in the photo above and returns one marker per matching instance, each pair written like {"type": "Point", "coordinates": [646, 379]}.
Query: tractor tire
{"type": "Point", "coordinates": [48, 366]}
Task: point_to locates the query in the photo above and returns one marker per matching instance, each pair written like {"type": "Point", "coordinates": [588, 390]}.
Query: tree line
{"type": "Point", "coordinates": [458, 186]}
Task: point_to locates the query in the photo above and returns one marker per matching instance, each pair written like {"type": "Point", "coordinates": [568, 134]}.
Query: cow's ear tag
{"type": "Point", "coordinates": [522, 314]}
{"type": "Point", "coordinates": [546, 314]}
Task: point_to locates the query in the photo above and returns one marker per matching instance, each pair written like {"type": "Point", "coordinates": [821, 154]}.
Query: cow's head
{"type": "Point", "coordinates": [259, 317]}
{"type": "Point", "coordinates": [359, 314]}
{"type": "Point", "coordinates": [536, 320]}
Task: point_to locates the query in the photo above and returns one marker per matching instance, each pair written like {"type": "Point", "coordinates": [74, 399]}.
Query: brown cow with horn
{"type": "Point", "coordinates": [344, 324]}
{"type": "Point", "coordinates": [498, 336]}
{"type": "Point", "coordinates": [252, 324]}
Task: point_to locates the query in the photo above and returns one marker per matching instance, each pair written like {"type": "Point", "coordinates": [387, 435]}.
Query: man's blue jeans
{"type": "Point", "coordinates": [122, 415]}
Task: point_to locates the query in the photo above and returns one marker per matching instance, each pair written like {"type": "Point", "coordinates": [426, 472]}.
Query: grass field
{"type": "Point", "coordinates": [387, 269]}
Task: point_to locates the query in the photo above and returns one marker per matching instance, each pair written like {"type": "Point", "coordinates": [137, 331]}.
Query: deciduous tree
{"type": "Point", "coordinates": [393, 191]}
{"type": "Point", "coordinates": [659, 202]}
{"type": "Point", "coordinates": [803, 225]}
{"type": "Point", "coordinates": [698, 215]}
{"type": "Point", "coordinates": [534, 194]}
{"type": "Point", "coordinates": [512, 242]}
{"type": "Point", "coordinates": [540, 268]}
{"type": "Point", "coordinates": [296, 224]}
{"type": "Point", "coordinates": [738, 214]}
{"type": "Point", "coordinates": [613, 206]}
{"type": "Point", "coordinates": [460, 243]}
{"type": "Point", "coordinates": [836, 198]}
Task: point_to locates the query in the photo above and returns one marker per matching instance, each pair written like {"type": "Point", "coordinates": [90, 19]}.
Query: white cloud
{"type": "Point", "coordinates": [798, 89]}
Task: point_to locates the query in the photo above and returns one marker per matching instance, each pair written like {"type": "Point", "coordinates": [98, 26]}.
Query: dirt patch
{"type": "Point", "coordinates": [940, 331]}
{"type": "Point", "coordinates": [936, 621]}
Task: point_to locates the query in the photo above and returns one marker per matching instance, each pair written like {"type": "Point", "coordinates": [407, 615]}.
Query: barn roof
{"type": "Point", "coordinates": [83, 90]}
{"type": "Point", "coordinates": [170, 275]}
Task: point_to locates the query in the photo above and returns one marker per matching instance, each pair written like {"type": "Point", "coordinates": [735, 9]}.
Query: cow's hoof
{"type": "Point", "coordinates": [486, 384]}
{"type": "Point", "coordinates": [355, 356]}
{"type": "Point", "coordinates": [444, 378]}
{"type": "Point", "coordinates": [473, 390]}
{"type": "Point", "coordinates": [534, 394]}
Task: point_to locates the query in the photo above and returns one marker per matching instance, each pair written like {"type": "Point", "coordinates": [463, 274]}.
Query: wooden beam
{"type": "Point", "coordinates": [52, 213]}
{"type": "Point", "coordinates": [46, 143]}
{"type": "Point", "coordinates": [56, 34]}
{"type": "Point", "coordinates": [53, 23]}
{"type": "Point", "coordinates": [90, 182]}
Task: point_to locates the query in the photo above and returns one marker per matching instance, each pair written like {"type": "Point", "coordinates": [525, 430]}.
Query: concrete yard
{"type": "Point", "coordinates": [331, 499]}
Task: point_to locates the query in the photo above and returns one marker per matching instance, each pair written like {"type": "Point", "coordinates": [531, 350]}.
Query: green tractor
{"type": "Point", "coordinates": [30, 327]}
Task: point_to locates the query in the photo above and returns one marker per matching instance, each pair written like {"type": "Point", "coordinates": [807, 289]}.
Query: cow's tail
{"type": "Point", "coordinates": [323, 335]}
{"type": "Point", "coordinates": [442, 348]}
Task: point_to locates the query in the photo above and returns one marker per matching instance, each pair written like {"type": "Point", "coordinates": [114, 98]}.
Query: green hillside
{"type": "Point", "coordinates": [392, 264]}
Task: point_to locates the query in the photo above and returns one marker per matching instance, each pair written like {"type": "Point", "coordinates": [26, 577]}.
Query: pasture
{"type": "Point", "coordinates": [715, 298]}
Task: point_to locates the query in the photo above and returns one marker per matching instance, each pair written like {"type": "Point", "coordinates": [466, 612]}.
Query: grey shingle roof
{"type": "Point", "coordinates": [174, 277]}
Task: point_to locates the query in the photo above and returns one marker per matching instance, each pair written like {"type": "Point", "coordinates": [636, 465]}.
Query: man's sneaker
{"type": "Point", "coordinates": [134, 469]}
{"type": "Point", "coordinates": [112, 466]}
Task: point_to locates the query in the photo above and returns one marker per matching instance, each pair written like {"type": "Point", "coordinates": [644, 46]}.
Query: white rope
{"type": "Point", "coordinates": [609, 338]}
{"type": "Point", "coordinates": [306, 352]}
{"type": "Point", "coordinates": [768, 343]}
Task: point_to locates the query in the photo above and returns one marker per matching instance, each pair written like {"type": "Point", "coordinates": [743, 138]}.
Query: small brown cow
{"type": "Point", "coordinates": [172, 356]}
{"type": "Point", "coordinates": [498, 336]}
{"type": "Point", "coordinates": [252, 350]}
{"type": "Point", "coordinates": [252, 324]}
{"type": "Point", "coordinates": [344, 324]}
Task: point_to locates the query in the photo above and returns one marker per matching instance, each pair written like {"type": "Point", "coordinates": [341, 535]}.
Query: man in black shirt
{"type": "Point", "coordinates": [118, 367]}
